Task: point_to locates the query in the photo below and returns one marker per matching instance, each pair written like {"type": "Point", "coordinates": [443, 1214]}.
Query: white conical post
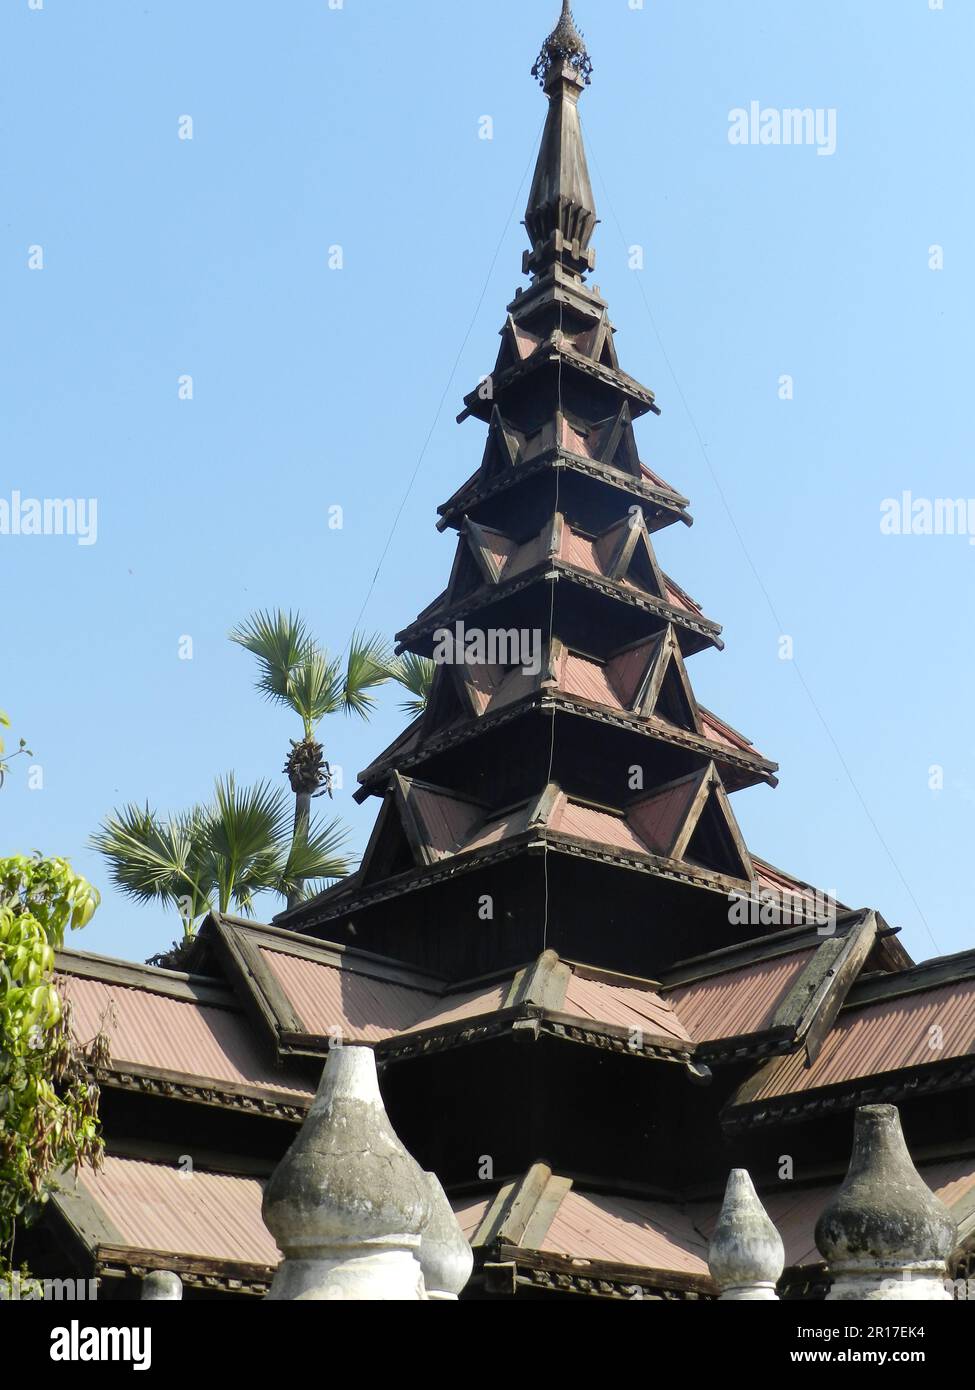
{"type": "Point", "coordinates": [885, 1235]}
{"type": "Point", "coordinates": [347, 1203]}
{"type": "Point", "coordinates": [162, 1285]}
{"type": "Point", "coordinates": [746, 1256]}
{"type": "Point", "coordinates": [445, 1254]}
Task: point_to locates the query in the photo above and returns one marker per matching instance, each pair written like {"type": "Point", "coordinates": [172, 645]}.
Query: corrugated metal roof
{"type": "Point", "coordinates": [456, 1007]}
{"type": "Point", "coordinates": [719, 732]}
{"type": "Point", "coordinates": [587, 823]}
{"type": "Point", "coordinates": [447, 820]}
{"type": "Point", "coordinates": [628, 1006]}
{"type": "Point", "coordinates": [659, 817]}
{"type": "Point", "coordinates": [470, 1212]}
{"type": "Point", "coordinates": [177, 1035]}
{"type": "Point", "coordinates": [882, 1037]}
{"type": "Point", "coordinates": [578, 551]}
{"type": "Point", "coordinates": [628, 669]}
{"type": "Point", "coordinates": [360, 1008]}
{"type": "Point", "coordinates": [739, 1001]}
{"type": "Point", "coordinates": [528, 555]}
{"type": "Point", "coordinates": [587, 680]}
{"type": "Point", "coordinates": [218, 1216]}
{"type": "Point", "coordinates": [209, 1215]}
{"type": "Point", "coordinates": [621, 1230]}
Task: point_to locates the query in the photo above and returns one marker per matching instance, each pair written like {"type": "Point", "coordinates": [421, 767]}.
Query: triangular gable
{"type": "Point", "coordinates": [517, 345]}
{"type": "Point", "coordinates": [418, 826]}
{"type": "Point", "coordinates": [447, 702]}
{"type": "Point", "coordinates": [597, 343]}
{"type": "Point", "coordinates": [662, 688]}
{"type": "Point", "coordinates": [692, 819]}
{"type": "Point", "coordinates": [624, 552]}
{"type": "Point", "coordinates": [467, 573]}
{"type": "Point", "coordinates": [617, 444]}
{"type": "Point", "coordinates": [491, 549]}
{"type": "Point", "coordinates": [503, 450]}
{"type": "Point", "coordinates": [389, 851]}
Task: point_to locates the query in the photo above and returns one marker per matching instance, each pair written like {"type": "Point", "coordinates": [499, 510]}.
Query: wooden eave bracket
{"type": "Point", "coordinates": [811, 1007]}
{"type": "Point", "coordinates": [523, 1211]}
{"type": "Point", "coordinates": [543, 984]}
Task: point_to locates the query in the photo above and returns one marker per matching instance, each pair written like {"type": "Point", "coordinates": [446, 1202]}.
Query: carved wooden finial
{"type": "Point", "coordinates": [564, 46]}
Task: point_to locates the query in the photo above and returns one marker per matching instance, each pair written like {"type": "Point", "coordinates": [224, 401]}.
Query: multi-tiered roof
{"type": "Point", "coordinates": [577, 1033]}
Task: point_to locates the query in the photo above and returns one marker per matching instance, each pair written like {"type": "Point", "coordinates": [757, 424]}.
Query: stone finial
{"type": "Point", "coordinates": [885, 1235]}
{"type": "Point", "coordinates": [445, 1255]}
{"type": "Point", "coordinates": [347, 1203]}
{"type": "Point", "coordinates": [162, 1285]}
{"type": "Point", "coordinates": [746, 1255]}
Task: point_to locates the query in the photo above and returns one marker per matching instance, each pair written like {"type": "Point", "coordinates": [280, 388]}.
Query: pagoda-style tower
{"type": "Point", "coordinates": [564, 789]}
{"type": "Point", "coordinates": [574, 1027]}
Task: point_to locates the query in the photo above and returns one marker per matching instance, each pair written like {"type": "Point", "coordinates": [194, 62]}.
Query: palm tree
{"type": "Point", "coordinates": [415, 673]}
{"type": "Point", "coordinates": [218, 856]}
{"type": "Point", "coordinates": [295, 671]}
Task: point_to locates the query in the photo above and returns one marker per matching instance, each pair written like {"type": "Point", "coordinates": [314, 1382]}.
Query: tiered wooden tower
{"type": "Point", "coordinates": [564, 788]}
{"type": "Point", "coordinates": [578, 1030]}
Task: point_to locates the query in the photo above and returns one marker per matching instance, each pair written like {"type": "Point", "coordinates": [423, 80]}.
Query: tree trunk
{"type": "Point", "coordinates": [302, 822]}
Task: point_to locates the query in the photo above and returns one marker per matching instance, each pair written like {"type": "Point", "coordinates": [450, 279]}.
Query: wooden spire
{"type": "Point", "coordinates": [561, 213]}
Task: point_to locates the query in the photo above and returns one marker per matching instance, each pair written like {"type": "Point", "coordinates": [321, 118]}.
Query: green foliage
{"type": "Point", "coordinates": [48, 1103]}
{"type": "Point", "coordinates": [415, 674]}
{"type": "Point", "coordinates": [218, 856]}
{"type": "Point", "coordinates": [295, 671]}
{"type": "Point", "coordinates": [4, 766]}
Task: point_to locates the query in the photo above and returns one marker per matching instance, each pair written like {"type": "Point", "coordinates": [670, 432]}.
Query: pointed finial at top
{"type": "Point", "coordinates": [564, 45]}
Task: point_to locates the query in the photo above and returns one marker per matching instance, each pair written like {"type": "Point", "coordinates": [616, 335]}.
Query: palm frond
{"type": "Point", "coordinates": [280, 642]}
{"type": "Point", "coordinates": [320, 856]}
{"type": "Point", "coordinates": [242, 830]}
{"type": "Point", "coordinates": [317, 688]}
{"type": "Point", "coordinates": [415, 674]}
{"type": "Point", "coordinates": [367, 667]}
{"type": "Point", "coordinates": [151, 860]}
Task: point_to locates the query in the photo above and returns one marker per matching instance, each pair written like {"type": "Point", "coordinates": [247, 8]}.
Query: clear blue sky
{"type": "Point", "coordinates": [359, 126]}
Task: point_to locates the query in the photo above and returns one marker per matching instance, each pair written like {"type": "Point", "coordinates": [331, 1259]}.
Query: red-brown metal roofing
{"type": "Point", "coordinates": [445, 820]}
{"type": "Point", "coordinates": [587, 823]}
{"type": "Point", "coordinates": [719, 732]}
{"type": "Point", "coordinates": [587, 680]}
{"type": "Point", "coordinates": [177, 1035]}
{"type": "Point", "coordinates": [579, 551]}
{"type": "Point", "coordinates": [456, 1007]}
{"type": "Point", "coordinates": [620, 1230]}
{"type": "Point", "coordinates": [333, 1001]}
{"type": "Point", "coordinates": [157, 1207]}
{"type": "Point", "coordinates": [528, 555]}
{"type": "Point", "coordinates": [659, 818]}
{"type": "Point", "coordinates": [740, 1001]}
{"type": "Point", "coordinates": [627, 670]}
{"type": "Point", "coordinates": [911, 1031]}
{"type": "Point", "coordinates": [628, 1006]}
{"type": "Point", "coordinates": [217, 1216]}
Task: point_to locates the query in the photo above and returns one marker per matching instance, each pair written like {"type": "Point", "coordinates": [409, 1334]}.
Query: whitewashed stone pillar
{"type": "Point", "coordinates": [445, 1254]}
{"type": "Point", "coordinates": [347, 1203]}
{"type": "Point", "coordinates": [161, 1285]}
{"type": "Point", "coordinates": [885, 1235]}
{"type": "Point", "coordinates": [746, 1256]}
